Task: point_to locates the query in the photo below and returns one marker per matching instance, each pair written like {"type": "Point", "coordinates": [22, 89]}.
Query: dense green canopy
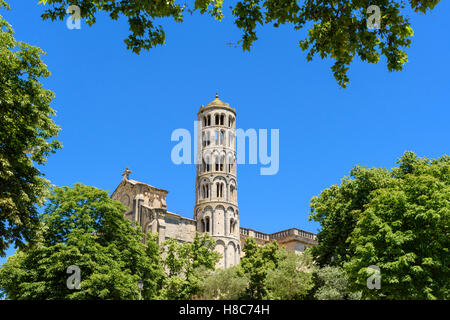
{"type": "Point", "coordinates": [397, 221]}
{"type": "Point", "coordinates": [83, 227]}
{"type": "Point", "coordinates": [26, 132]}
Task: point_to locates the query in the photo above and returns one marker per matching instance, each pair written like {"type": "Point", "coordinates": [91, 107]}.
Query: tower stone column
{"type": "Point", "coordinates": [216, 208]}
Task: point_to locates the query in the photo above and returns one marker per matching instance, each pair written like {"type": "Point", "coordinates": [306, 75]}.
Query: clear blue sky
{"type": "Point", "coordinates": [118, 109]}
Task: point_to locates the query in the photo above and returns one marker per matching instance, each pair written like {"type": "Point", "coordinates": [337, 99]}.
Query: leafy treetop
{"type": "Point", "coordinates": [335, 29]}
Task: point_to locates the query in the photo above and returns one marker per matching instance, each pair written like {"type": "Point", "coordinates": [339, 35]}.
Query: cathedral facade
{"type": "Point", "coordinates": [216, 207]}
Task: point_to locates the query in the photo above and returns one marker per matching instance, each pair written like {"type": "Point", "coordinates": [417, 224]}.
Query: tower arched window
{"type": "Point", "coordinates": [222, 119]}
{"type": "Point", "coordinates": [232, 192]}
{"type": "Point", "coordinates": [219, 189]}
{"type": "Point", "coordinates": [205, 191]}
{"type": "Point", "coordinates": [208, 118]}
{"type": "Point", "coordinates": [231, 139]}
{"type": "Point", "coordinates": [222, 137]}
{"type": "Point", "coordinates": [203, 166]}
{"type": "Point", "coordinates": [208, 138]}
{"type": "Point", "coordinates": [217, 163]}
{"type": "Point", "coordinates": [217, 119]}
{"type": "Point", "coordinates": [203, 227]}
{"type": "Point", "coordinates": [217, 138]}
{"type": "Point", "coordinates": [221, 163]}
{"type": "Point", "coordinates": [230, 162]}
{"type": "Point", "coordinates": [207, 224]}
{"type": "Point", "coordinates": [232, 226]}
{"type": "Point", "coordinates": [203, 139]}
{"type": "Point", "coordinates": [208, 163]}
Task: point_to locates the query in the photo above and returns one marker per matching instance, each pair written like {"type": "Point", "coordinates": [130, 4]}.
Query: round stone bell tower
{"type": "Point", "coordinates": [216, 209]}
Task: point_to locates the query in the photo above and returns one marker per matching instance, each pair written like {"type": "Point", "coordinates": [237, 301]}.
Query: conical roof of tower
{"type": "Point", "coordinates": [216, 103]}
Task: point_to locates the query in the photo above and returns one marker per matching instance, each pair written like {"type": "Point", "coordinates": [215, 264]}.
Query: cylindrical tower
{"type": "Point", "coordinates": [216, 209]}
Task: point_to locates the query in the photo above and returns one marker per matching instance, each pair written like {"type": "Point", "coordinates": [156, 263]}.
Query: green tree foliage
{"type": "Point", "coordinates": [26, 126]}
{"type": "Point", "coordinates": [274, 273]}
{"type": "Point", "coordinates": [186, 264]}
{"type": "Point", "coordinates": [335, 29]}
{"type": "Point", "coordinates": [405, 231]}
{"type": "Point", "coordinates": [82, 226]}
{"type": "Point", "coordinates": [256, 263]}
{"type": "Point", "coordinates": [338, 208]}
{"type": "Point", "coordinates": [267, 272]}
{"type": "Point", "coordinates": [396, 220]}
{"type": "Point", "coordinates": [224, 284]}
{"type": "Point", "coordinates": [292, 279]}
{"type": "Point", "coordinates": [331, 283]}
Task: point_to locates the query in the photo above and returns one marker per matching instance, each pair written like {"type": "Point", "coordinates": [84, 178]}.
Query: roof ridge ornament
{"type": "Point", "coordinates": [126, 174]}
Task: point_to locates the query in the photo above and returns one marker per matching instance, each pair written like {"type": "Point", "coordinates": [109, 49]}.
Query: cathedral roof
{"type": "Point", "coordinates": [126, 179]}
{"type": "Point", "coordinates": [134, 182]}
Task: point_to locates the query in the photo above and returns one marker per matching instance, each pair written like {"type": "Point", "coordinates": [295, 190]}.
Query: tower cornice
{"type": "Point", "coordinates": [214, 174]}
